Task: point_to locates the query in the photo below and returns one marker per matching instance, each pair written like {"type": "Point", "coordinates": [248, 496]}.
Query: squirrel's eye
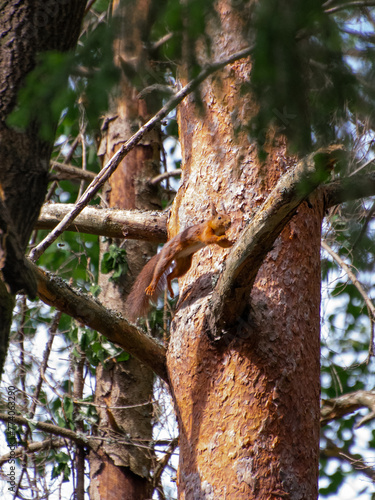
{"type": "Point", "coordinates": [219, 218]}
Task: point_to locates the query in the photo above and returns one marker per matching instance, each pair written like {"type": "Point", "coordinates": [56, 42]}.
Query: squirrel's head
{"type": "Point", "coordinates": [220, 223]}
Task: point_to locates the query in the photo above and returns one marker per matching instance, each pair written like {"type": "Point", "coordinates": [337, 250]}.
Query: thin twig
{"type": "Point", "coordinates": [113, 163]}
{"type": "Point", "coordinates": [165, 175]}
{"type": "Point", "coordinates": [68, 171]}
{"type": "Point", "coordinates": [163, 462]}
{"type": "Point", "coordinates": [344, 455]}
{"type": "Point", "coordinates": [370, 306]}
{"type": "Point", "coordinates": [44, 365]}
{"type": "Point", "coordinates": [47, 427]}
{"type": "Point", "coordinates": [343, 6]}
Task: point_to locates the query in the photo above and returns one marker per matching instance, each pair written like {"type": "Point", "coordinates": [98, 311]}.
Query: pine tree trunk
{"type": "Point", "coordinates": [248, 409]}
{"type": "Point", "coordinates": [118, 470]}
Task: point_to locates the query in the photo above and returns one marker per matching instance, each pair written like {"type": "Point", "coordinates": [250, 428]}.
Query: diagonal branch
{"type": "Point", "coordinates": [244, 260]}
{"type": "Point", "coordinates": [347, 5]}
{"type": "Point", "coordinates": [113, 163]}
{"type": "Point", "coordinates": [55, 292]}
{"type": "Point", "coordinates": [109, 222]}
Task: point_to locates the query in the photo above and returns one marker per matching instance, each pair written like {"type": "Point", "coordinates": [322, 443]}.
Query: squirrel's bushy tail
{"type": "Point", "coordinates": [138, 302]}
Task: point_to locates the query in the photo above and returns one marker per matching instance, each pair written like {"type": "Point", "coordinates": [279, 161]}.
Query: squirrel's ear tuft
{"type": "Point", "coordinates": [213, 209]}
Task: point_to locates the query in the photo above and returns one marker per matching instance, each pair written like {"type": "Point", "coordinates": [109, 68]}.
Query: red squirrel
{"type": "Point", "coordinates": [155, 276]}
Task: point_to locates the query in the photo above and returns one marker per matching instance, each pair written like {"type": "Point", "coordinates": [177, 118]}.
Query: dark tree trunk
{"type": "Point", "coordinates": [26, 29]}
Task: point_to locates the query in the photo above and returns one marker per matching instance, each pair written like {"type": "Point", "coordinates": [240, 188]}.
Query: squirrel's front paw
{"type": "Point", "coordinates": [150, 290]}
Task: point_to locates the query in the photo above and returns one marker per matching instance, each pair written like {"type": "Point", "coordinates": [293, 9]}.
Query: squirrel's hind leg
{"type": "Point", "coordinates": [181, 267]}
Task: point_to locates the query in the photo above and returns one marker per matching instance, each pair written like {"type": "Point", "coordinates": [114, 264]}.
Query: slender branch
{"type": "Point", "coordinates": [335, 408]}
{"type": "Point", "coordinates": [79, 461]}
{"type": "Point", "coordinates": [46, 354]}
{"type": "Point", "coordinates": [162, 41]}
{"type": "Point", "coordinates": [55, 292]}
{"type": "Point", "coordinates": [359, 3]}
{"type": "Point", "coordinates": [163, 462]}
{"type": "Point", "coordinates": [33, 448]}
{"type": "Point", "coordinates": [244, 260]}
{"type": "Point", "coordinates": [70, 172]}
{"type": "Point", "coordinates": [344, 455]}
{"type": "Point", "coordinates": [113, 223]}
{"type": "Point", "coordinates": [46, 427]}
{"type": "Point", "coordinates": [88, 6]}
{"type": "Point", "coordinates": [113, 163]}
{"type": "Point", "coordinates": [353, 278]}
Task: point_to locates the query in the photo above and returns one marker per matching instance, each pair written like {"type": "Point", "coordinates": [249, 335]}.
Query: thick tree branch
{"type": "Point", "coordinates": [335, 408]}
{"type": "Point", "coordinates": [116, 159]}
{"type": "Point", "coordinates": [244, 260]}
{"type": "Point", "coordinates": [349, 188]}
{"type": "Point", "coordinates": [131, 224]}
{"type": "Point", "coordinates": [55, 292]}
{"type": "Point", "coordinates": [151, 226]}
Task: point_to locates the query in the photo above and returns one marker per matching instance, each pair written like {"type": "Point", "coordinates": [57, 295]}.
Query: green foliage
{"type": "Point", "coordinates": [63, 466]}
{"type": "Point", "coordinates": [302, 79]}
{"type": "Point", "coordinates": [97, 348]}
{"type": "Point", "coordinates": [48, 83]}
{"type": "Point", "coordinates": [114, 261]}
{"type": "Point", "coordinates": [186, 22]}
{"type": "Point", "coordinates": [73, 257]}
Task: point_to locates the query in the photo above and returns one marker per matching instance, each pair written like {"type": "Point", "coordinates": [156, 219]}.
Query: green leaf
{"type": "Point", "coordinates": [124, 356]}
{"type": "Point", "coordinates": [114, 261]}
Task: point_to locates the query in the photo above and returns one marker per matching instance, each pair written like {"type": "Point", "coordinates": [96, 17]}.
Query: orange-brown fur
{"type": "Point", "coordinates": [155, 276]}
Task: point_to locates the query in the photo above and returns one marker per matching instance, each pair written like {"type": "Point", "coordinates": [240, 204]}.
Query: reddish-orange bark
{"type": "Point", "coordinates": [248, 409]}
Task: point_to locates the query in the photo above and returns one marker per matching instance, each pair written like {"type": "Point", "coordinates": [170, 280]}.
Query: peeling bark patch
{"type": "Point", "coordinates": [244, 471]}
